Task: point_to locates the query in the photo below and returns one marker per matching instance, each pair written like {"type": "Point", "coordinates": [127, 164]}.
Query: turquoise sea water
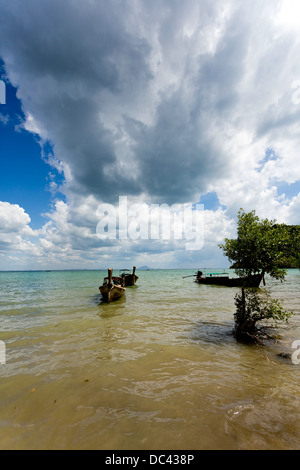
{"type": "Point", "coordinates": [158, 369]}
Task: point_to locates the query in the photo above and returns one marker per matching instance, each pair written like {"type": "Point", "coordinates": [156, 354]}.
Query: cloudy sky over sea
{"type": "Point", "coordinates": [169, 102]}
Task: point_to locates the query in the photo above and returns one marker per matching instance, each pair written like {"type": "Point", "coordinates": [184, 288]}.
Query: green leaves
{"type": "Point", "coordinates": [253, 307]}
{"type": "Point", "coordinates": [261, 246]}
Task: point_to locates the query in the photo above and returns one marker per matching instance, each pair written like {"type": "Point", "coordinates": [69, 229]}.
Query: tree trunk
{"type": "Point", "coordinates": [245, 331]}
{"type": "Point", "coordinates": [246, 328]}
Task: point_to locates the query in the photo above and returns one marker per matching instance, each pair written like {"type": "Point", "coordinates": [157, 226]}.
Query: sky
{"type": "Point", "coordinates": [172, 104]}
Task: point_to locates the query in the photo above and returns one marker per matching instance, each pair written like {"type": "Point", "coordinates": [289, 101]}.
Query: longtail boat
{"type": "Point", "coordinates": [110, 289]}
{"type": "Point", "coordinates": [223, 279]}
{"type": "Point", "coordinates": [127, 278]}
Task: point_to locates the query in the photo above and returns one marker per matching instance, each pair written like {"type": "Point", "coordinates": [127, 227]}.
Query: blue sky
{"type": "Point", "coordinates": [23, 173]}
{"type": "Point", "coordinates": [163, 103]}
{"type": "Point", "coordinates": [25, 176]}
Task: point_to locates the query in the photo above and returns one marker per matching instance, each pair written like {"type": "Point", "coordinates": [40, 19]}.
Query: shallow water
{"type": "Point", "coordinates": [158, 369]}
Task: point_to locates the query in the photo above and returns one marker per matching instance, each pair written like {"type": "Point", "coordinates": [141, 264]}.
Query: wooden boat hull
{"type": "Point", "coordinates": [250, 281]}
{"type": "Point", "coordinates": [130, 279]}
{"type": "Point", "coordinates": [110, 289]}
{"type": "Point", "coordinates": [111, 292]}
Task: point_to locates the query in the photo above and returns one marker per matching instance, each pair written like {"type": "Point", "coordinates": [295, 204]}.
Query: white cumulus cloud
{"type": "Point", "coordinates": [160, 101]}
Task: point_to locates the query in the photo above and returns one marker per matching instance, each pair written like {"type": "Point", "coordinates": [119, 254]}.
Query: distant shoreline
{"type": "Point", "coordinates": [115, 269]}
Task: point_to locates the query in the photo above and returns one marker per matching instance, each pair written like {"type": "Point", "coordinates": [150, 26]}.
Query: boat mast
{"type": "Point", "coordinates": [110, 271]}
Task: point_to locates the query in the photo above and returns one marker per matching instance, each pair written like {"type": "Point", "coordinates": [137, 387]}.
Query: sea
{"type": "Point", "coordinates": [157, 369]}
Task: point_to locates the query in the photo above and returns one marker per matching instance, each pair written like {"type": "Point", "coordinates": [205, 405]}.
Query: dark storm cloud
{"type": "Point", "coordinates": [162, 101]}
{"type": "Point", "coordinates": [73, 62]}
{"type": "Point", "coordinates": [83, 71]}
{"type": "Point", "coordinates": [177, 161]}
{"type": "Point", "coordinates": [149, 98]}
{"type": "Point", "coordinates": [180, 156]}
